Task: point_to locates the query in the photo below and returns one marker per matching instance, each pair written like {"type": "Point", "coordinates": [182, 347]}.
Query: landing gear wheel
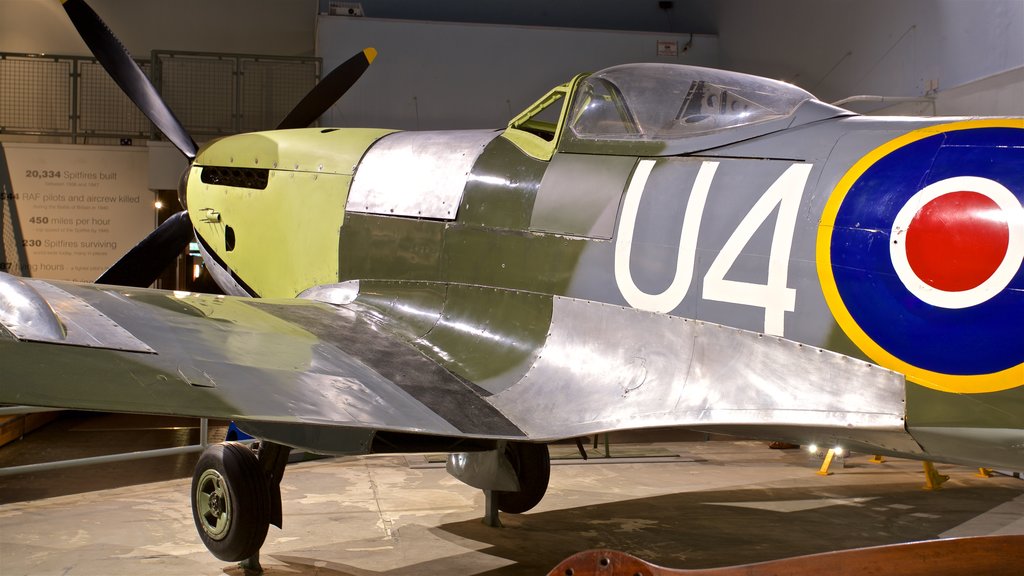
{"type": "Point", "coordinates": [230, 502]}
{"type": "Point", "coordinates": [532, 464]}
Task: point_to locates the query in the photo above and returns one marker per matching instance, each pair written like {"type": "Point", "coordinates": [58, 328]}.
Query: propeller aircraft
{"type": "Point", "coordinates": [650, 245]}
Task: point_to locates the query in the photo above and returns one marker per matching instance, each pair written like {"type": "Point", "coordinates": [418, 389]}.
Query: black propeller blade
{"type": "Point", "coordinates": [115, 59]}
{"type": "Point", "coordinates": [328, 91]}
{"type": "Point", "coordinates": [144, 263]}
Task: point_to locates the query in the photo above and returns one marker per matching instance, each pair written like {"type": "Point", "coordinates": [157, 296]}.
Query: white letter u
{"type": "Point", "coordinates": [673, 295]}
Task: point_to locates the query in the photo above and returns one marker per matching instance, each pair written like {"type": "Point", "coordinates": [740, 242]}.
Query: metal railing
{"type": "Point", "coordinates": [204, 435]}
{"type": "Point", "coordinates": [73, 98]}
{"type": "Point", "coordinates": [217, 94]}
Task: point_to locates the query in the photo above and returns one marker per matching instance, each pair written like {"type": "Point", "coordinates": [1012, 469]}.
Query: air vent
{"type": "Point", "coordinates": [255, 178]}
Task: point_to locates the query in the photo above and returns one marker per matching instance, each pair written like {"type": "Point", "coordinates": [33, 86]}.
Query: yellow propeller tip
{"type": "Point", "coordinates": [370, 53]}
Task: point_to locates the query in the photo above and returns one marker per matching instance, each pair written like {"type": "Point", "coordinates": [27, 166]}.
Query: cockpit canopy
{"type": "Point", "coordinates": [647, 102]}
{"type": "Point", "coordinates": [660, 110]}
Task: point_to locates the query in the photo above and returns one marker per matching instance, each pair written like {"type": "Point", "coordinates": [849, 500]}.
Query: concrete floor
{"type": "Point", "coordinates": [684, 504]}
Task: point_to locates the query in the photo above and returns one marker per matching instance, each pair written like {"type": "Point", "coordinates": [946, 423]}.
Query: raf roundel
{"type": "Point", "coordinates": [920, 254]}
{"type": "Point", "coordinates": [952, 244]}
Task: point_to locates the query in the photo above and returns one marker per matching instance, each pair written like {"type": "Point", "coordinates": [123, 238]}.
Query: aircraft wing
{"type": "Point", "coordinates": [351, 364]}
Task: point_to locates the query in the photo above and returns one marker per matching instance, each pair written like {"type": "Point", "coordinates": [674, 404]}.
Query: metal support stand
{"type": "Point", "coordinates": [204, 432]}
{"type": "Point", "coordinates": [491, 517]}
{"type": "Point", "coordinates": [251, 566]}
{"type": "Point", "coordinates": [932, 479]}
{"type": "Point", "coordinates": [607, 447]}
{"type": "Point", "coordinates": [579, 446]}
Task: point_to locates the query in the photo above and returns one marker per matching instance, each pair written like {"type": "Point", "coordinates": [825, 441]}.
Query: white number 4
{"type": "Point", "coordinates": [775, 297]}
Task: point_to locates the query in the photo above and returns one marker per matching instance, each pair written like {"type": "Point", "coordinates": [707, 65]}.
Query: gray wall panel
{"type": "Point", "coordinates": [433, 75]}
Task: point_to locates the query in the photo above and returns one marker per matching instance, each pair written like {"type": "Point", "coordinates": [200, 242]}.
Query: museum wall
{"type": "Point", "coordinates": [1001, 93]}
{"type": "Point", "coordinates": [432, 75]}
{"type": "Point", "coordinates": [648, 15]}
{"type": "Point", "coordinates": [281, 28]}
{"type": "Point", "coordinates": [908, 48]}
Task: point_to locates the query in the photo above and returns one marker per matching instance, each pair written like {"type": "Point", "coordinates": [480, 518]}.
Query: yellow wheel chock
{"type": "Point", "coordinates": [932, 479]}
{"type": "Point", "coordinates": [829, 456]}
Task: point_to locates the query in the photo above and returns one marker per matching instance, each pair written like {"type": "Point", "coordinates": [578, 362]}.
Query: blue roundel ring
{"type": "Point", "coordinates": [971, 340]}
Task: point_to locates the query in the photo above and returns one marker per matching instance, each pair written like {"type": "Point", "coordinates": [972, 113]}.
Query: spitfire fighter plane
{"type": "Point", "coordinates": [650, 245]}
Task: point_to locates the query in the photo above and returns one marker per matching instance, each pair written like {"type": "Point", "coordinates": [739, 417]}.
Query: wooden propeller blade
{"type": "Point", "coordinates": [989, 555]}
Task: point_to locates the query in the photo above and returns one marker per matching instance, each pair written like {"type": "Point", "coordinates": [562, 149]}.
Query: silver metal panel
{"type": "Point", "coordinates": [432, 170]}
{"type": "Point", "coordinates": [333, 389]}
{"type": "Point", "coordinates": [489, 470]}
{"type": "Point", "coordinates": [41, 312]}
{"type": "Point", "coordinates": [25, 313]}
{"type": "Point", "coordinates": [654, 370]}
{"type": "Point", "coordinates": [87, 326]}
{"type": "Point", "coordinates": [340, 293]}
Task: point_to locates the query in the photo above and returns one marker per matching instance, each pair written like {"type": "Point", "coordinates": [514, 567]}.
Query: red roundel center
{"type": "Point", "coordinates": [957, 241]}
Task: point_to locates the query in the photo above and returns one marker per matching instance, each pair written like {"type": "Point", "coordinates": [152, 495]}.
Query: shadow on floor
{"type": "Point", "coordinates": [699, 529]}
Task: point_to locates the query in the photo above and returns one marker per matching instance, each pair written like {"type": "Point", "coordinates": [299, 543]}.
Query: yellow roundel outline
{"type": "Point", "coordinates": [1011, 377]}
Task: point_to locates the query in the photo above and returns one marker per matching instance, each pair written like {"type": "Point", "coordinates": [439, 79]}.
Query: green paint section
{"type": "Point", "coordinates": [390, 248]}
{"type": "Point", "coordinates": [427, 281]}
{"type": "Point", "coordinates": [515, 260]}
{"type": "Point", "coordinates": [219, 329]}
{"type": "Point", "coordinates": [324, 150]}
{"type": "Point", "coordinates": [278, 256]}
{"type": "Point", "coordinates": [267, 341]}
{"type": "Point", "coordinates": [488, 336]}
{"type": "Point", "coordinates": [502, 188]}
{"type": "Point", "coordinates": [283, 239]}
{"type": "Point", "coordinates": [927, 407]}
{"type": "Point", "coordinates": [537, 129]}
{"type": "Point", "coordinates": [474, 295]}
{"type": "Point", "coordinates": [104, 380]}
{"type": "Point", "coordinates": [407, 309]}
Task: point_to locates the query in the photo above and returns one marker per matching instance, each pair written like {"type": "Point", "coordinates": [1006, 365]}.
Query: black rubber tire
{"type": "Point", "coordinates": [248, 496]}
{"type": "Point", "coordinates": [532, 464]}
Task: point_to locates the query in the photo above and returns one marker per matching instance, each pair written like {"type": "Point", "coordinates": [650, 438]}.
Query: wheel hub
{"type": "Point", "coordinates": [213, 504]}
{"type": "Point", "coordinates": [215, 508]}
